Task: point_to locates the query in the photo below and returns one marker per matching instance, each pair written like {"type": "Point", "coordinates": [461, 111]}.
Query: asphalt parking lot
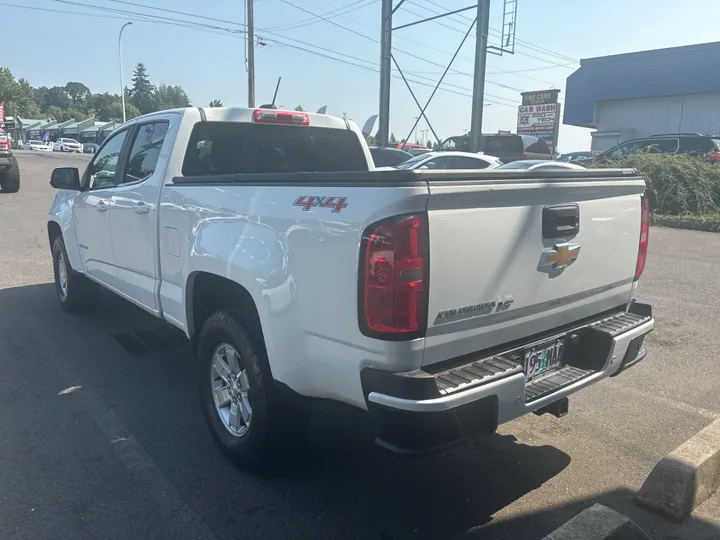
{"type": "Point", "coordinates": [96, 443]}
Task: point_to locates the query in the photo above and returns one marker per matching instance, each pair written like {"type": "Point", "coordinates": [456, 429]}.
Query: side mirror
{"type": "Point", "coordinates": [65, 178]}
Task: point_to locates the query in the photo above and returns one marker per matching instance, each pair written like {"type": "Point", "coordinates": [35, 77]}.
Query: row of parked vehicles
{"type": "Point", "coordinates": [695, 144]}
{"type": "Point", "coordinates": [60, 145]}
{"type": "Point", "coordinates": [525, 151]}
{"type": "Point", "coordinates": [500, 150]}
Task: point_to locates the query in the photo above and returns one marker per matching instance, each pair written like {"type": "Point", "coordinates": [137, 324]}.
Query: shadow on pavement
{"type": "Point", "coordinates": [340, 486]}
{"type": "Point", "coordinates": [537, 525]}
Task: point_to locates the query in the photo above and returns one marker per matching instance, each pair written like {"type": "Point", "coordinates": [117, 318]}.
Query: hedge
{"type": "Point", "coordinates": [678, 184]}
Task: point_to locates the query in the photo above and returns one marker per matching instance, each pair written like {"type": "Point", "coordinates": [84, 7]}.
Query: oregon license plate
{"type": "Point", "coordinates": [544, 357]}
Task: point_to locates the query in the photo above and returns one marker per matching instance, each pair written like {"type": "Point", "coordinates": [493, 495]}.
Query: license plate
{"type": "Point", "coordinates": [544, 357]}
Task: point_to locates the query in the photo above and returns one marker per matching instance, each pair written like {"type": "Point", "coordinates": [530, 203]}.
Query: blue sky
{"type": "Point", "coordinates": [52, 48]}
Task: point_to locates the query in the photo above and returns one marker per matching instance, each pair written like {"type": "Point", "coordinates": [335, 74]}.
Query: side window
{"type": "Point", "coordinates": [532, 148]}
{"type": "Point", "coordinates": [101, 171]}
{"type": "Point", "coordinates": [145, 151]}
{"type": "Point", "coordinates": [469, 163]}
{"type": "Point", "coordinates": [440, 163]}
{"type": "Point", "coordinates": [543, 147]}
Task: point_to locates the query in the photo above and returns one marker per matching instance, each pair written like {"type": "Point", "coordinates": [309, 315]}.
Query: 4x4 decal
{"type": "Point", "coordinates": [307, 202]}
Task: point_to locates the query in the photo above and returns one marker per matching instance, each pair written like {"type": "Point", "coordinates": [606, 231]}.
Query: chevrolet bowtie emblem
{"type": "Point", "coordinates": [560, 256]}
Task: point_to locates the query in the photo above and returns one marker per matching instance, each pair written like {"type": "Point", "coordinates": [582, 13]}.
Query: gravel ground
{"type": "Point", "coordinates": [127, 454]}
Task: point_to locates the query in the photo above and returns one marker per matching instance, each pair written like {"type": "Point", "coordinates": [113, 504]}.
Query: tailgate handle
{"type": "Point", "coordinates": [561, 220]}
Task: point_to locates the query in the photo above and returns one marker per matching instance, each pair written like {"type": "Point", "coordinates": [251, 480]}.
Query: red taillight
{"type": "Point", "coordinates": [714, 156]}
{"type": "Point", "coordinates": [273, 116]}
{"type": "Point", "coordinates": [4, 143]}
{"type": "Point", "coordinates": [393, 278]}
{"type": "Point", "coordinates": [644, 237]}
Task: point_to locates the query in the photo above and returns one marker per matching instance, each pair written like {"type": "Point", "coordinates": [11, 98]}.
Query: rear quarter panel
{"type": "Point", "coordinates": [299, 265]}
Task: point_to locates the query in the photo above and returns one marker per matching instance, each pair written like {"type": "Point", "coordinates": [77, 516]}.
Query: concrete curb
{"type": "Point", "coordinates": [598, 523]}
{"type": "Point", "coordinates": [684, 478]}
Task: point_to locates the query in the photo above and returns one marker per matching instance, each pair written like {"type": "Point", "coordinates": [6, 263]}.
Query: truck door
{"type": "Point", "coordinates": [133, 213]}
{"type": "Point", "coordinates": [92, 218]}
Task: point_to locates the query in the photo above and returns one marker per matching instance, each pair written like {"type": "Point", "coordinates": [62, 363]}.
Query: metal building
{"type": "Point", "coordinates": [626, 96]}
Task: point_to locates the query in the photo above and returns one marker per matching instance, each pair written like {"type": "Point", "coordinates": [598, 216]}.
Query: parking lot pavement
{"type": "Point", "coordinates": [97, 443]}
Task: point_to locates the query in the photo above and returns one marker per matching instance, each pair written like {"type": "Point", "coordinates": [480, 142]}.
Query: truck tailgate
{"type": "Point", "coordinates": [502, 248]}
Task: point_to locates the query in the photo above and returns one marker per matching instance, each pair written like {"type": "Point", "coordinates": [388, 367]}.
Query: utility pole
{"type": "Point", "coordinates": [250, 37]}
{"type": "Point", "coordinates": [481, 43]}
{"type": "Point", "coordinates": [385, 71]}
{"type": "Point", "coordinates": [122, 84]}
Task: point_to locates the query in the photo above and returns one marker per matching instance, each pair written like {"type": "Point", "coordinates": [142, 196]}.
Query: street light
{"type": "Point", "coordinates": [122, 84]}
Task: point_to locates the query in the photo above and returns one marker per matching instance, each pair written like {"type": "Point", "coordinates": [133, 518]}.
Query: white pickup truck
{"type": "Point", "coordinates": [444, 303]}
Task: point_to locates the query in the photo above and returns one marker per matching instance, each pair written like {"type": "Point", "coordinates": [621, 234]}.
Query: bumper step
{"type": "Point", "coordinates": [553, 382]}
{"type": "Point", "coordinates": [479, 372]}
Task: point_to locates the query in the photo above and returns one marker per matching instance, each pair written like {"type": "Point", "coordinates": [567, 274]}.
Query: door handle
{"type": "Point", "coordinates": [101, 206]}
{"type": "Point", "coordinates": [141, 208]}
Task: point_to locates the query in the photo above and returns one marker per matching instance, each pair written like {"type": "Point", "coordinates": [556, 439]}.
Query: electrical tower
{"type": "Point", "coordinates": [481, 23]}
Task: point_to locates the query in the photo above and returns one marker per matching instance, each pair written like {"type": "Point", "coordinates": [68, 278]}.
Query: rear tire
{"type": "Point", "coordinates": [71, 287]}
{"type": "Point", "coordinates": [10, 179]}
{"type": "Point", "coordinates": [234, 375]}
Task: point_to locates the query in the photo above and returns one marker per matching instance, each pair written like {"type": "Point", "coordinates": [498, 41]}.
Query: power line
{"type": "Point", "coordinates": [135, 13]}
{"type": "Point", "coordinates": [499, 33]}
{"type": "Point", "coordinates": [527, 44]}
{"type": "Point", "coordinates": [330, 14]}
{"type": "Point", "coordinates": [396, 49]}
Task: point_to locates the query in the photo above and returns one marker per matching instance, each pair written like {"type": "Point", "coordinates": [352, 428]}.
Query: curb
{"type": "Point", "coordinates": [684, 478]}
{"type": "Point", "coordinates": [598, 523]}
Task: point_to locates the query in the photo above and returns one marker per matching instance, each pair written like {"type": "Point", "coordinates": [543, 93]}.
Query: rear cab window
{"type": "Point", "coordinates": [221, 148]}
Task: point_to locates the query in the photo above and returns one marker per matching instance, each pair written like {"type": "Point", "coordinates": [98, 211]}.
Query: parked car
{"type": "Point", "coordinates": [506, 146]}
{"type": "Point", "coordinates": [669, 143]}
{"type": "Point", "coordinates": [418, 151]}
{"type": "Point", "coordinates": [37, 145]}
{"type": "Point", "coordinates": [90, 148]}
{"type": "Point", "coordinates": [571, 157]}
{"type": "Point", "coordinates": [388, 157]}
{"type": "Point", "coordinates": [67, 145]}
{"type": "Point", "coordinates": [9, 170]}
{"type": "Point", "coordinates": [450, 161]}
{"type": "Point", "coordinates": [410, 146]}
{"type": "Point", "coordinates": [428, 306]}
{"type": "Point", "coordinates": [541, 164]}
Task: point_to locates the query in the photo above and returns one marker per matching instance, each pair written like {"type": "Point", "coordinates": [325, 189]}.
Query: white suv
{"type": "Point", "coordinates": [67, 145]}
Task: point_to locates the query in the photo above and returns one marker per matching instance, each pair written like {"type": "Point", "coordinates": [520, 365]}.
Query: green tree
{"type": "Point", "coordinates": [171, 97]}
{"type": "Point", "coordinates": [49, 97]}
{"type": "Point", "coordinates": [392, 138]}
{"type": "Point", "coordinates": [79, 94]}
{"type": "Point", "coordinates": [216, 103]}
{"type": "Point", "coordinates": [370, 140]}
{"type": "Point", "coordinates": [18, 96]}
{"type": "Point", "coordinates": [142, 93]}
{"type": "Point", "coordinates": [299, 108]}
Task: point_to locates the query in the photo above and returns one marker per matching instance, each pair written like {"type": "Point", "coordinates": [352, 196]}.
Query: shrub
{"type": "Point", "coordinates": [677, 184]}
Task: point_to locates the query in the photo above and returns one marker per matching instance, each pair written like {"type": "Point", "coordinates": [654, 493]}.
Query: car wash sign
{"type": "Point", "coordinates": [539, 115]}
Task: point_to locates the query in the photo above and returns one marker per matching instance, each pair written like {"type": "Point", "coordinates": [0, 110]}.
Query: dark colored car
{"type": "Point", "coordinates": [505, 146]}
{"type": "Point", "coordinates": [572, 157]}
{"type": "Point", "coordinates": [388, 157]}
{"type": "Point", "coordinates": [669, 143]}
{"type": "Point", "coordinates": [90, 148]}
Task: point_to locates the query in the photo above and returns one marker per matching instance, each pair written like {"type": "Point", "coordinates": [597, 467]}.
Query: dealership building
{"type": "Point", "coordinates": [627, 96]}
{"type": "Point", "coordinates": [85, 131]}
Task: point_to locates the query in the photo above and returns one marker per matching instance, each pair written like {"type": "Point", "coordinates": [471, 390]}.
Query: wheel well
{"type": "Point", "coordinates": [210, 293]}
{"type": "Point", "coordinates": [53, 232]}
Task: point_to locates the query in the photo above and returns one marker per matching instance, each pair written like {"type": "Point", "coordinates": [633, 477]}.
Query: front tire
{"type": "Point", "coordinates": [70, 286]}
{"type": "Point", "coordinates": [10, 180]}
{"type": "Point", "coordinates": [240, 399]}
